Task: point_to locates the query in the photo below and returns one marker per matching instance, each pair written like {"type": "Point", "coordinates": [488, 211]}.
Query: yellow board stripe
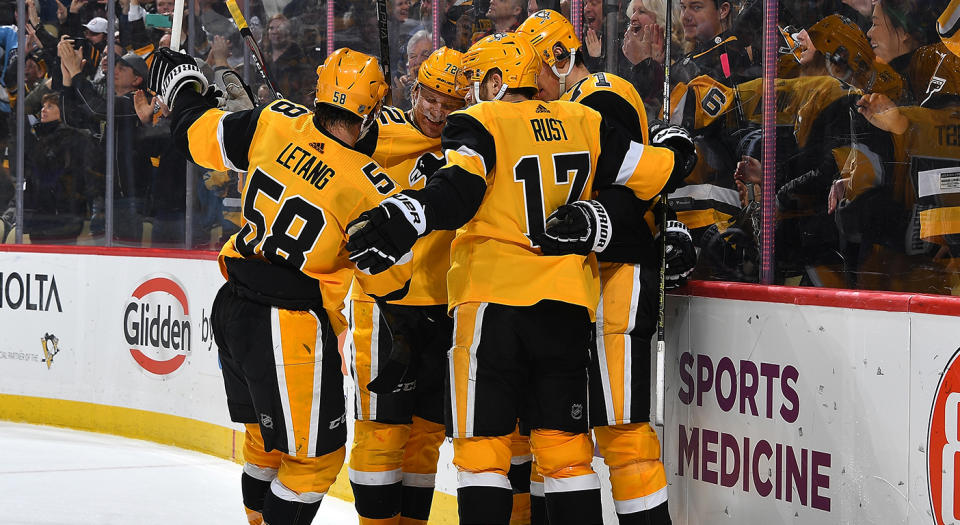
{"type": "Point", "coordinates": [168, 429]}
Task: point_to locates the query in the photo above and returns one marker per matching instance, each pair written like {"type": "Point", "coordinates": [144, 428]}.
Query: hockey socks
{"type": "Point", "coordinates": [484, 505]}
{"type": "Point", "coordinates": [658, 515]}
{"type": "Point", "coordinates": [282, 506]}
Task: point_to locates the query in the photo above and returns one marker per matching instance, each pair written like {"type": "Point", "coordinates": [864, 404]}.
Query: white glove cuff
{"type": "Point", "coordinates": [412, 210]}
{"type": "Point", "coordinates": [602, 220]}
{"type": "Point", "coordinates": [677, 227]}
{"type": "Point", "coordinates": [180, 77]}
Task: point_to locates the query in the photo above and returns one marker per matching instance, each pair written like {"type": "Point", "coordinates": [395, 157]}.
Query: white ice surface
{"type": "Point", "coordinates": [51, 475]}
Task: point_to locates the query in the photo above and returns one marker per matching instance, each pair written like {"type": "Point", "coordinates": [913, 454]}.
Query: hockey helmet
{"type": "Point", "coordinates": [352, 81]}
{"type": "Point", "coordinates": [935, 72]}
{"type": "Point", "coordinates": [546, 29]}
{"type": "Point", "coordinates": [948, 25]}
{"type": "Point", "coordinates": [513, 56]}
{"type": "Point", "coordinates": [847, 50]}
{"type": "Point", "coordinates": [441, 73]}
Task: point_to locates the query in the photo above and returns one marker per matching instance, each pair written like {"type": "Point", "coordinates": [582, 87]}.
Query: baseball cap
{"type": "Point", "coordinates": [137, 63]}
{"type": "Point", "coordinates": [97, 25]}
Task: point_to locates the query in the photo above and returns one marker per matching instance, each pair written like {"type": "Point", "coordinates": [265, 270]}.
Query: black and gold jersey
{"type": "Point", "coordinates": [409, 157]}
{"type": "Point", "coordinates": [616, 100]}
{"type": "Point", "coordinates": [724, 58]}
{"type": "Point", "coordinates": [620, 106]}
{"type": "Point", "coordinates": [301, 189]}
{"type": "Point", "coordinates": [511, 164]}
{"type": "Point", "coordinates": [928, 171]}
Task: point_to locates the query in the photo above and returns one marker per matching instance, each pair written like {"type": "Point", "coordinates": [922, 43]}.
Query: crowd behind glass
{"type": "Point", "coordinates": [867, 129]}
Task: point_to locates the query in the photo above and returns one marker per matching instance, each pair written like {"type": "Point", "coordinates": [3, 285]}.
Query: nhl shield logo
{"type": "Point", "coordinates": [576, 411]}
{"type": "Point", "coordinates": [266, 421]}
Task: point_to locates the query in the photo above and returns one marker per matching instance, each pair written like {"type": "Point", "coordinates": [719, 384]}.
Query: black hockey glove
{"type": "Point", "coordinates": [172, 72]}
{"type": "Point", "coordinates": [395, 375]}
{"type": "Point", "coordinates": [577, 228]}
{"type": "Point", "coordinates": [383, 236]}
{"type": "Point", "coordinates": [677, 139]}
{"type": "Point", "coordinates": [681, 254]}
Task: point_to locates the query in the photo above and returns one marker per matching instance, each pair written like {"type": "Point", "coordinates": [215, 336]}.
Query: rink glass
{"type": "Point", "coordinates": [797, 183]}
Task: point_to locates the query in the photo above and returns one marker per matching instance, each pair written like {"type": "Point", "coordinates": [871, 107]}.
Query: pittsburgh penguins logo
{"type": "Point", "coordinates": [426, 165]}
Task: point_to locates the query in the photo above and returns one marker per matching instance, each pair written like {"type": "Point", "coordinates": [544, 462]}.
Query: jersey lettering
{"type": "Point", "coordinates": [548, 129]}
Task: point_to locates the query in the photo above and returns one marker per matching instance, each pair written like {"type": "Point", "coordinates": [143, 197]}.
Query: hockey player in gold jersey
{"type": "Point", "coordinates": [276, 319]}
{"type": "Point", "coordinates": [398, 431]}
{"type": "Point", "coordinates": [620, 366]}
{"type": "Point", "coordinates": [522, 320]}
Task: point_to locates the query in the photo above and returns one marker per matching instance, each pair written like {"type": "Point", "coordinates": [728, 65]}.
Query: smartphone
{"type": "Point", "coordinates": [155, 20]}
{"type": "Point", "coordinates": [78, 42]}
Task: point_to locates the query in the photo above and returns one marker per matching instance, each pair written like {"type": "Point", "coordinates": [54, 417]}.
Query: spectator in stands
{"type": "Point", "coordinates": [643, 47]}
{"type": "Point", "coordinates": [419, 48]}
{"type": "Point", "coordinates": [899, 28]}
{"type": "Point", "coordinates": [57, 176]}
{"type": "Point", "coordinates": [506, 15]}
{"type": "Point", "coordinates": [399, 30]}
{"type": "Point", "coordinates": [593, 36]}
{"type": "Point", "coordinates": [716, 52]}
{"type": "Point", "coordinates": [286, 61]}
{"type": "Point", "coordinates": [95, 34]}
{"type": "Point", "coordinates": [82, 104]}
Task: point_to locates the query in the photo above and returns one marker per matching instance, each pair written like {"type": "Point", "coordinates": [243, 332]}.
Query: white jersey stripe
{"type": "Point", "coordinates": [482, 479]}
{"type": "Point", "coordinates": [317, 378]}
{"type": "Point", "coordinates": [629, 164]}
{"type": "Point", "coordinates": [576, 483]}
{"type": "Point", "coordinates": [361, 477]}
{"type": "Point", "coordinates": [642, 503]}
{"type": "Point", "coordinates": [282, 378]}
{"type": "Point", "coordinates": [472, 383]}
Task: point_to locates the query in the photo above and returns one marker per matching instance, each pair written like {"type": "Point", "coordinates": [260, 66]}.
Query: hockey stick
{"type": "Point", "coordinates": [384, 49]}
{"type": "Point", "coordinates": [661, 342]}
{"type": "Point", "coordinates": [252, 44]}
{"type": "Point", "coordinates": [176, 26]}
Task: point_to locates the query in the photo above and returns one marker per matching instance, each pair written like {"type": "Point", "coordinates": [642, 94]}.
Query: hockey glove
{"type": "Point", "coordinates": [383, 236]}
{"type": "Point", "coordinates": [577, 228]}
{"type": "Point", "coordinates": [236, 93]}
{"type": "Point", "coordinates": [677, 139]}
{"type": "Point", "coordinates": [172, 72]}
{"type": "Point", "coordinates": [681, 254]}
{"type": "Point", "coordinates": [394, 375]}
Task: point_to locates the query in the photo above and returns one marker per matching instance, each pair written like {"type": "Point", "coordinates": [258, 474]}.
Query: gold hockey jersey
{"type": "Point", "coordinates": [533, 157]}
{"type": "Point", "coordinates": [301, 189]}
{"type": "Point", "coordinates": [409, 157]}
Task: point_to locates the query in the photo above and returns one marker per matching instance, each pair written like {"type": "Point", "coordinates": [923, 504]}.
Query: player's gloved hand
{"type": "Point", "coordinates": [236, 93]}
{"type": "Point", "coordinates": [681, 254]}
{"type": "Point", "coordinates": [172, 72]}
{"type": "Point", "coordinates": [383, 236]}
{"type": "Point", "coordinates": [577, 228]}
{"type": "Point", "coordinates": [396, 374]}
{"type": "Point", "coordinates": [677, 139]}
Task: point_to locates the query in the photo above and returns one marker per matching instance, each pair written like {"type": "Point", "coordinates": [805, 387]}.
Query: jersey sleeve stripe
{"type": "Point", "coordinates": [630, 162]}
{"type": "Point", "coordinates": [467, 158]}
{"type": "Point", "coordinates": [223, 147]}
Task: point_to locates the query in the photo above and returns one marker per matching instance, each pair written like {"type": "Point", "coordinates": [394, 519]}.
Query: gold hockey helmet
{"type": "Point", "coordinates": [547, 28]}
{"type": "Point", "coordinates": [352, 81]}
{"type": "Point", "coordinates": [513, 56]}
{"type": "Point", "coordinates": [441, 73]}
